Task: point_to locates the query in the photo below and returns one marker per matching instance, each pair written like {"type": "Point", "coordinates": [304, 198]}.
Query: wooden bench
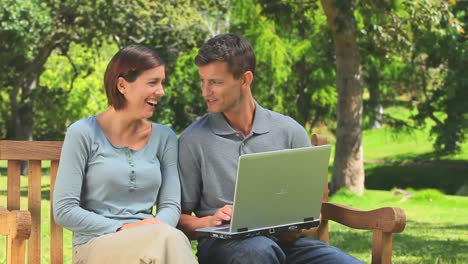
{"type": "Point", "coordinates": [18, 224]}
{"type": "Point", "coordinates": [22, 225]}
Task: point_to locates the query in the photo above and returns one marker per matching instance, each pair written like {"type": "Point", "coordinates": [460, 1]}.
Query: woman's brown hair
{"type": "Point", "coordinates": [128, 63]}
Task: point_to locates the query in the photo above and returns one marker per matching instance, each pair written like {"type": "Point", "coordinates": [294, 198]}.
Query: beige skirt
{"type": "Point", "coordinates": [147, 244]}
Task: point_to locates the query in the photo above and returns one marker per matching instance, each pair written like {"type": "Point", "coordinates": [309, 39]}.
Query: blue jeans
{"type": "Point", "coordinates": [264, 250]}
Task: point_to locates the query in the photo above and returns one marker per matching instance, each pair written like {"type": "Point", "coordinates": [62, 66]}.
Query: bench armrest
{"type": "Point", "coordinates": [16, 224]}
{"type": "Point", "coordinates": [386, 219]}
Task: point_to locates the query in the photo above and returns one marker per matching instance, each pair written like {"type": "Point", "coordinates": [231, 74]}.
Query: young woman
{"type": "Point", "coordinates": [116, 165]}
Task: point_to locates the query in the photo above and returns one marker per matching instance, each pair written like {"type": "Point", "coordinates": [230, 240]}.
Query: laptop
{"type": "Point", "coordinates": [276, 191]}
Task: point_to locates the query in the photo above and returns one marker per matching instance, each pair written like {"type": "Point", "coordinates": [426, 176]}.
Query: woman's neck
{"type": "Point", "coordinates": [124, 131]}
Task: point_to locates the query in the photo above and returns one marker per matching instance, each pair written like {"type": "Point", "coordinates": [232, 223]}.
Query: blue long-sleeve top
{"type": "Point", "coordinates": [100, 187]}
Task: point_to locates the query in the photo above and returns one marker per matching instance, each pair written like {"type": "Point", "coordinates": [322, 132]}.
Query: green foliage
{"type": "Point", "coordinates": [33, 30]}
{"type": "Point", "coordinates": [183, 101]}
{"type": "Point", "coordinates": [416, 48]}
{"type": "Point", "coordinates": [384, 45]}
{"type": "Point", "coordinates": [72, 88]}
{"type": "Point", "coordinates": [3, 113]}
{"type": "Point", "coordinates": [22, 23]}
{"type": "Point", "coordinates": [22, 26]}
{"type": "Point", "coordinates": [295, 72]}
{"type": "Point", "coordinates": [440, 49]}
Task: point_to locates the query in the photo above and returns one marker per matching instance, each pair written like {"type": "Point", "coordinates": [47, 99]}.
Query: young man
{"type": "Point", "coordinates": [208, 154]}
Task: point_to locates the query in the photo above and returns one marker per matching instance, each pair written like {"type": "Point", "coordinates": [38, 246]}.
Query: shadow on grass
{"type": "Point", "coordinates": [417, 242]}
{"type": "Point", "coordinates": [45, 192]}
{"type": "Point", "coordinates": [456, 227]}
{"type": "Point", "coordinates": [442, 175]}
{"type": "Point", "coordinates": [431, 243]}
{"type": "Point", "coordinates": [428, 159]}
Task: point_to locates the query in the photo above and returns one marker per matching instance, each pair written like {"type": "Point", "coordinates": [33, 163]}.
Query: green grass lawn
{"type": "Point", "coordinates": [407, 160]}
{"type": "Point", "coordinates": [414, 145]}
{"type": "Point", "coordinates": [436, 229]}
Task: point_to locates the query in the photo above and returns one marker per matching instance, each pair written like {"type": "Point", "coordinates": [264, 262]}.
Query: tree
{"type": "Point", "coordinates": [32, 30]}
{"type": "Point", "coordinates": [183, 102]}
{"type": "Point", "coordinates": [348, 164]}
{"type": "Point", "coordinates": [71, 88]}
{"type": "Point", "coordinates": [439, 60]}
{"type": "Point", "coordinates": [384, 44]}
{"type": "Point", "coordinates": [295, 72]}
{"type": "Point", "coordinates": [294, 77]}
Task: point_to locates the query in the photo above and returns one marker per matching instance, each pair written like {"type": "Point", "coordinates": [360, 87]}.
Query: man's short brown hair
{"type": "Point", "coordinates": [230, 48]}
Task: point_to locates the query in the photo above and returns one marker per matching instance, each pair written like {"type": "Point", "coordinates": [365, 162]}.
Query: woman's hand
{"type": "Point", "coordinates": [147, 221]}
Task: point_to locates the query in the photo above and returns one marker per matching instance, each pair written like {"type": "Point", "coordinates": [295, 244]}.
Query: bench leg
{"type": "Point", "coordinates": [15, 251]}
{"type": "Point", "coordinates": [382, 247]}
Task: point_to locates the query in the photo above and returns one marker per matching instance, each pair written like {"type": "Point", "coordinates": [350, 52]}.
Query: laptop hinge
{"type": "Point", "coordinates": [307, 219]}
{"type": "Point", "coordinates": [243, 229]}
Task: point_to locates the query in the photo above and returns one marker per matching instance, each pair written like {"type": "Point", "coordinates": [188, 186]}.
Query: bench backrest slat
{"type": "Point", "coordinates": [30, 150]}
{"type": "Point", "coordinates": [56, 231]}
{"type": "Point", "coordinates": [13, 185]}
{"type": "Point", "coordinates": [34, 207]}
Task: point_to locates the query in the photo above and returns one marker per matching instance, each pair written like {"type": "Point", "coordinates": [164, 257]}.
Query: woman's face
{"type": "Point", "coordinates": [143, 94]}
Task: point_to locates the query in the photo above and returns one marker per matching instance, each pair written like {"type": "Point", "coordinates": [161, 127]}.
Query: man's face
{"type": "Point", "coordinates": [221, 91]}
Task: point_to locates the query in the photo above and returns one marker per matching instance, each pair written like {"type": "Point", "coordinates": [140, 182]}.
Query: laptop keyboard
{"type": "Point", "coordinates": [223, 229]}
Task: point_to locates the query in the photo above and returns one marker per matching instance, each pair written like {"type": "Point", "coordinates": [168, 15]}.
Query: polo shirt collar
{"type": "Point", "coordinates": [220, 126]}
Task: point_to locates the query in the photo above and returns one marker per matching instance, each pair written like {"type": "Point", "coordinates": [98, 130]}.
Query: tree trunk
{"type": "Point", "coordinates": [303, 101]}
{"type": "Point", "coordinates": [21, 111]}
{"type": "Point", "coordinates": [348, 164]}
{"type": "Point", "coordinates": [452, 129]}
{"type": "Point", "coordinates": [375, 104]}
{"type": "Point", "coordinates": [22, 114]}
{"type": "Point", "coordinates": [22, 98]}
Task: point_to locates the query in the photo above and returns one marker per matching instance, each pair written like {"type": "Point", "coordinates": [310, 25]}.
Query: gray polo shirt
{"type": "Point", "coordinates": [209, 151]}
